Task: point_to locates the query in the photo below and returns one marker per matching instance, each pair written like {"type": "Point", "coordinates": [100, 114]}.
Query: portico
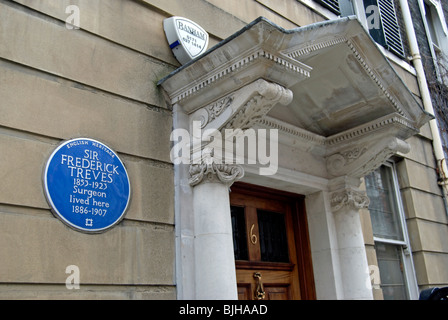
{"type": "Point", "coordinates": [340, 111]}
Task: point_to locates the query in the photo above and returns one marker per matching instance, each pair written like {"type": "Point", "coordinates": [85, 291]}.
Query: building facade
{"type": "Point", "coordinates": [337, 108]}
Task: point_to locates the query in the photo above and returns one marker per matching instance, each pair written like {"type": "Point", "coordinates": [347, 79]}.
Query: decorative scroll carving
{"type": "Point", "coordinates": [359, 161]}
{"type": "Point", "coordinates": [394, 146]}
{"type": "Point", "coordinates": [213, 111]}
{"type": "Point", "coordinates": [353, 154]}
{"type": "Point", "coordinates": [349, 197]}
{"type": "Point", "coordinates": [238, 110]}
{"type": "Point", "coordinates": [259, 105]}
{"type": "Point", "coordinates": [244, 107]}
{"type": "Point", "coordinates": [210, 171]}
{"type": "Point", "coordinates": [217, 108]}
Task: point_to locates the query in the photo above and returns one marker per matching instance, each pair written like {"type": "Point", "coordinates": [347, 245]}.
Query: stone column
{"type": "Point", "coordinates": [213, 243]}
{"type": "Point", "coordinates": [345, 204]}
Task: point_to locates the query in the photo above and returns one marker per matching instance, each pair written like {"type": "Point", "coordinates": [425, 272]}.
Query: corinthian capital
{"type": "Point", "coordinates": [349, 197]}
{"type": "Point", "coordinates": [209, 171]}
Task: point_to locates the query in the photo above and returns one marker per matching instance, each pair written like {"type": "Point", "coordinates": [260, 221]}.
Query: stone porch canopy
{"type": "Point", "coordinates": [334, 99]}
{"type": "Point", "coordinates": [343, 89]}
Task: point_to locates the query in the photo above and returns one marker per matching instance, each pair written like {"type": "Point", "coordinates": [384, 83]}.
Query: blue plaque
{"type": "Point", "coordinates": [87, 185]}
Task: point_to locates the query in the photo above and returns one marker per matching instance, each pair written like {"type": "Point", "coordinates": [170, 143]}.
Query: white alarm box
{"type": "Point", "coordinates": [187, 39]}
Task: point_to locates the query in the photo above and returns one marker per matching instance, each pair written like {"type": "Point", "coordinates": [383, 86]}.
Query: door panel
{"type": "Point", "coordinates": [277, 282]}
{"type": "Point", "coordinates": [273, 236]}
{"type": "Point", "coordinates": [244, 291]}
{"type": "Point", "coordinates": [272, 262]}
{"type": "Point", "coordinates": [278, 293]}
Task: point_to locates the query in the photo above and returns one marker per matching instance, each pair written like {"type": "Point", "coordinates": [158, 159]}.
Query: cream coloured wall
{"type": "Point", "coordinates": [97, 82]}
{"type": "Point", "coordinates": [100, 82]}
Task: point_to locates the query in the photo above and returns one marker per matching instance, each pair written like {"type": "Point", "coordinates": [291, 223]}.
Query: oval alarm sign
{"type": "Point", "coordinates": [186, 38]}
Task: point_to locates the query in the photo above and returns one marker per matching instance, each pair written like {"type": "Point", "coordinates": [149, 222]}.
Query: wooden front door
{"type": "Point", "coordinates": [271, 244]}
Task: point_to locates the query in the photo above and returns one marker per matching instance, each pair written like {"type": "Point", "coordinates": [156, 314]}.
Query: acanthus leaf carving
{"type": "Point", "coordinates": [239, 110]}
{"type": "Point", "coordinates": [217, 108]}
{"type": "Point", "coordinates": [349, 197]}
{"type": "Point", "coordinates": [360, 161]}
{"type": "Point", "coordinates": [259, 105]}
{"type": "Point", "coordinates": [209, 170]}
{"type": "Point", "coordinates": [244, 107]}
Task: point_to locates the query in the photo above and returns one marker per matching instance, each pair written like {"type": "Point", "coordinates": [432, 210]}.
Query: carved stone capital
{"type": "Point", "coordinates": [349, 197]}
{"type": "Point", "coordinates": [209, 171]}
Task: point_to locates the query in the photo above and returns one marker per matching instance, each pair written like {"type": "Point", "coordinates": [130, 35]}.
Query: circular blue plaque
{"type": "Point", "coordinates": [87, 185]}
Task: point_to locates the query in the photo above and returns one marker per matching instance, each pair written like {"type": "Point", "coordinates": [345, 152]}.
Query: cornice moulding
{"type": "Point", "coordinates": [256, 55]}
{"type": "Point", "coordinates": [402, 127]}
{"type": "Point", "coordinates": [342, 100]}
{"type": "Point", "coordinates": [263, 50]}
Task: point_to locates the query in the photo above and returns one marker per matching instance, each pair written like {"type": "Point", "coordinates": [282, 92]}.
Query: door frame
{"type": "Point", "coordinates": [300, 231]}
